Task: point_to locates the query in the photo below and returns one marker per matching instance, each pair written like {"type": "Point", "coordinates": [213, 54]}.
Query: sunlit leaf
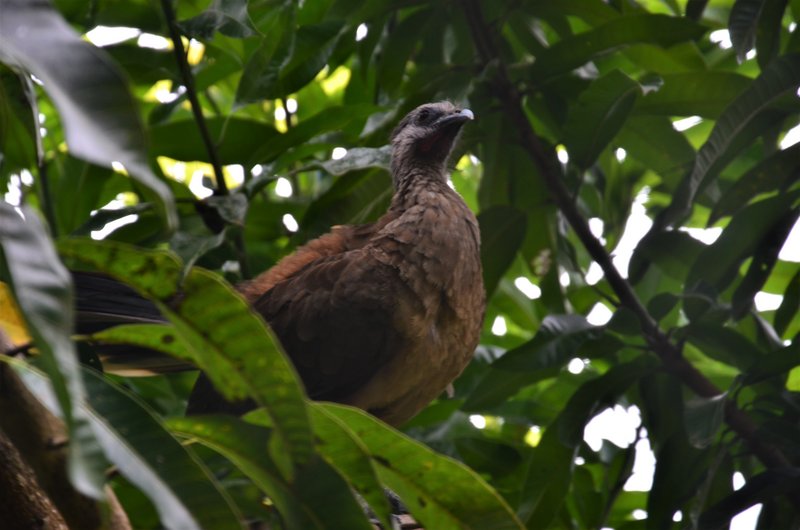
{"type": "Point", "coordinates": [441, 493]}
{"type": "Point", "coordinates": [98, 113]}
{"type": "Point", "coordinates": [217, 330]}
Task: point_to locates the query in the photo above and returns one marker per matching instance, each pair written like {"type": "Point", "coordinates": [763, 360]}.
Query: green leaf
{"type": "Point", "coordinates": [654, 142]}
{"type": "Point", "coordinates": [502, 232]}
{"type": "Point", "coordinates": [399, 47]}
{"type": "Point", "coordinates": [554, 344]}
{"type": "Point", "coordinates": [781, 77]}
{"type": "Point", "coordinates": [718, 264]}
{"type": "Point", "coordinates": [345, 452]}
{"type": "Point", "coordinates": [229, 17]}
{"type": "Point", "coordinates": [768, 33]}
{"type": "Point", "coordinates": [329, 119]}
{"type": "Point", "coordinates": [236, 139]}
{"type": "Point", "coordinates": [438, 491]}
{"type": "Point", "coordinates": [703, 418]}
{"type": "Point", "coordinates": [356, 159]}
{"type": "Point", "coordinates": [789, 306]}
{"type": "Point", "coordinates": [776, 363]}
{"type": "Point", "coordinates": [572, 52]}
{"type": "Point", "coordinates": [134, 440]}
{"type": "Point", "coordinates": [742, 25]}
{"type": "Point", "coordinates": [764, 259]}
{"type": "Point", "coordinates": [216, 329]}
{"type": "Point", "coordinates": [317, 498]}
{"type": "Point", "coordinates": [600, 112]}
{"type": "Point", "coordinates": [43, 292]}
{"type": "Point", "coordinates": [308, 53]}
{"type": "Point", "coordinates": [705, 94]}
{"type": "Point", "coordinates": [776, 172]}
{"type": "Point", "coordinates": [100, 118]}
{"type": "Point", "coordinates": [725, 345]}
{"type": "Point", "coordinates": [673, 252]}
{"type": "Point", "coordinates": [548, 478]}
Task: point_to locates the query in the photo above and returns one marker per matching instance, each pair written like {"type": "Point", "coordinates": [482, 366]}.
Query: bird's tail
{"type": "Point", "coordinates": [102, 302]}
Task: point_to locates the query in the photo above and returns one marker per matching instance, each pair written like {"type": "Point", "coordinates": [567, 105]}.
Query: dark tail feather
{"type": "Point", "coordinates": [102, 302]}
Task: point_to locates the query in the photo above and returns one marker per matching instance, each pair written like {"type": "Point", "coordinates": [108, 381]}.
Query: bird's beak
{"type": "Point", "coordinates": [460, 118]}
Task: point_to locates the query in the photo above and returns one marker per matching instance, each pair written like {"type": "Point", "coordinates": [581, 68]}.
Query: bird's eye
{"type": "Point", "coordinates": [424, 117]}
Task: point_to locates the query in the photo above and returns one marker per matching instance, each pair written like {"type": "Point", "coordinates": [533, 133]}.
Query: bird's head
{"type": "Point", "coordinates": [424, 138]}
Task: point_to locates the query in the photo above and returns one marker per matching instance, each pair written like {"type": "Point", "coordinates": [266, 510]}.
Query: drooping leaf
{"type": "Point", "coordinates": [548, 478]}
{"type": "Point", "coordinates": [742, 25]}
{"type": "Point", "coordinates": [314, 500]}
{"type": "Point", "coordinates": [782, 76]}
{"type": "Point", "coordinates": [703, 418]}
{"type": "Point", "coordinates": [99, 116]}
{"type": "Point", "coordinates": [216, 328]}
{"type": "Point", "coordinates": [236, 139]}
{"type": "Point", "coordinates": [309, 51]}
{"type": "Point", "coordinates": [776, 172]}
{"type": "Point", "coordinates": [554, 344]}
{"type": "Point", "coordinates": [502, 232]}
{"type": "Point", "coordinates": [768, 33]}
{"type": "Point", "coordinates": [704, 94]}
{"type": "Point", "coordinates": [600, 112]}
{"type": "Point", "coordinates": [438, 491]}
{"type": "Point", "coordinates": [43, 292]}
{"type": "Point", "coordinates": [572, 52]}
{"type": "Point", "coordinates": [718, 263]}
{"type": "Point", "coordinates": [764, 259]}
{"type": "Point", "coordinates": [788, 309]}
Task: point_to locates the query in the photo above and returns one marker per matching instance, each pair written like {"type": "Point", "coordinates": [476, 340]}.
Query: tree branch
{"type": "Point", "coordinates": [511, 99]}
{"type": "Point", "coordinates": [191, 93]}
{"type": "Point", "coordinates": [40, 443]}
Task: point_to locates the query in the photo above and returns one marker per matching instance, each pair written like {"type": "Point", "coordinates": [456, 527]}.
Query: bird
{"type": "Point", "coordinates": [381, 316]}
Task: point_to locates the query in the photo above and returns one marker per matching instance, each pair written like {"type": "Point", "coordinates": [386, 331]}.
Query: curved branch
{"type": "Point", "coordinates": [511, 99]}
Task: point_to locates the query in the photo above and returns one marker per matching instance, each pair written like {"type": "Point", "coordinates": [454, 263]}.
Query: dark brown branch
{"type": "Point", "coordinates": [191, 93]}
{"type": "Point", "coordinates": [511, 99]}
{"type": "Point", "coordinates": [40, 439]}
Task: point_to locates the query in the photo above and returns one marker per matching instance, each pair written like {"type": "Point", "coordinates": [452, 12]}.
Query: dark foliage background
{"type": "Point", "coordinates": [580, 107]}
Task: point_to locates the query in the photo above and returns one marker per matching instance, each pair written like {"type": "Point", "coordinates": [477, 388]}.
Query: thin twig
{"type": "Point", "coordinates": [191, 93]}
{"type": "Point", "coordinates": [511, 99]}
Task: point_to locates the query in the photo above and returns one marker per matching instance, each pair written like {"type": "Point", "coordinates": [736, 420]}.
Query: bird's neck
{"type": "Point", "coordinates": [413, 186]}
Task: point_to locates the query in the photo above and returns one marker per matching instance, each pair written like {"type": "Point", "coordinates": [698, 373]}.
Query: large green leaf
{"type": "Point", "coordinates": [308, 53]}
{"type": "Point", "coordinates": [705, 94]}
{"type": "Point", "coordinates": [718, 264]}
{"type": "Point", "coordinates": [236, 139]}
{"type": "Point", "coordinates": [43, 291]}
{"type": "Point", "coordinates": [600, 112]}
{"type": "Point", "coordinates": [781, 77]}
{"type": "Point", "coordinates": [548, 477]}
{"type": "Point", "coordinates": [316, 499]}
{"type": "Point", "coordinates": [743, 24]}
{"type": "Point", "coordinates": [440, 492]}
{"type": "Point", "coordinates": [572, 52]}
{"type": "Point", "coordinates": [216, 330]}
{"type": "Point", "coordinates": [555, 343]}
{"type": "Point", "coordinates": [99, 116]}
{"type": "Point", "coordinates": [777, 172]}
{"type": "Point", "coordinates": [502, 232]}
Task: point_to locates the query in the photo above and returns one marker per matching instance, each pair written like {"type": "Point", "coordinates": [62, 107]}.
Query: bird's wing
{"type": "Point", "coordinates": [334, 317]}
